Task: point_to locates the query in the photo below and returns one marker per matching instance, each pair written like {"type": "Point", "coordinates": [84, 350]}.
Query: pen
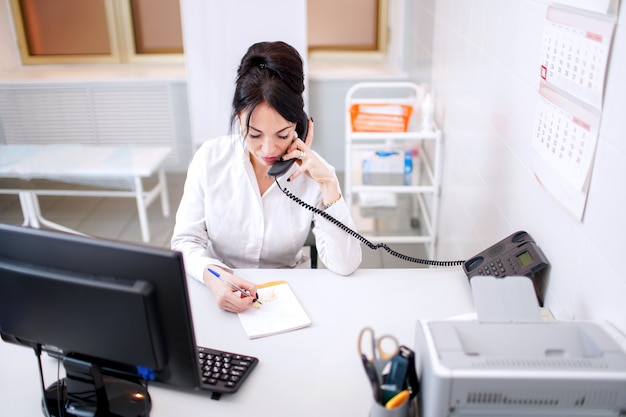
{"type": "Point", "coordinates": [233, 286]}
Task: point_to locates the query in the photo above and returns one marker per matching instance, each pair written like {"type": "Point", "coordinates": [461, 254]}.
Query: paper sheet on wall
{"type": "Point", "coordinates": [572, 200]}
{"type": "Point", "coordinates": [575, 53]}
{"type": "Point", "coordinates": [565, 135]}
{"type": "Point", "coordinates": [279, 312]}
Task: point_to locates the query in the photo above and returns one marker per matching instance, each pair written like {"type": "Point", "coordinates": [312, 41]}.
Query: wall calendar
{"type": "Point", "coordinates": [575, 53]}
{"type": "Point", "coordinates": [565, 135]}
{"type": "Point", "coordinates": [574, 57]}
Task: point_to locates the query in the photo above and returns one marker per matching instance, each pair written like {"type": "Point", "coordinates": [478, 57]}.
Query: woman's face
{"type": "Point", "coordinates": [269, 134]}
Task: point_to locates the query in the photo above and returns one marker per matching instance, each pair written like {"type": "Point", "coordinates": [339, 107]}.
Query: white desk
{"type": "Point", "coordinates": [314, 371]}
{"type": "Point", "coordinates": [90, 164]}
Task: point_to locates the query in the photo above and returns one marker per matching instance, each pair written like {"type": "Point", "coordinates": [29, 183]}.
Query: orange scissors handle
{"type": "Point", "coordinates": [387, 347]}
{"type": "Point", "coordinates": [367, 344]}
{"type": "Point", "coordinates": [377, 350]}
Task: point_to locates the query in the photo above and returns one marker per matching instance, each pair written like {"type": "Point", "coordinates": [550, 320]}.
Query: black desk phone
{"type": "Point", "coordinates": [517, 254]}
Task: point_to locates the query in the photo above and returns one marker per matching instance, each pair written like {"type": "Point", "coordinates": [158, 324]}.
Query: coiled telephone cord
{"type": "Point", "coordinates": [373, 246]}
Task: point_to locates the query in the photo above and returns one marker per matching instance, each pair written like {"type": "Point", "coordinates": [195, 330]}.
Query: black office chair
{"type": "Point", "coordinates": [310, 242]}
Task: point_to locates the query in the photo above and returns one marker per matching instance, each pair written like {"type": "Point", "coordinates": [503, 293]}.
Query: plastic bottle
{"type": "Point", "coordinates": [427, 113]}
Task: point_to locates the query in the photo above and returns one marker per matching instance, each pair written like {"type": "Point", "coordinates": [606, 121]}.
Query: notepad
{"type": "Point", "coordinates": [280, 312]}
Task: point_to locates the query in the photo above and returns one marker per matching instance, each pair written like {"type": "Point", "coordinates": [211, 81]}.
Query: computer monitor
{"type": "Point", "coordinates": [116, 313]}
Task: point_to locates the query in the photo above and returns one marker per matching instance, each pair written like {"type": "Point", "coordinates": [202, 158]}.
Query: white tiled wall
{"type": "Point", "coordinates": [485, 75]}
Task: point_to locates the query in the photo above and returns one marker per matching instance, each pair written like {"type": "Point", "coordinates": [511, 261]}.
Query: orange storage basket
{"type": "Point", "coordinates": [379, 117]}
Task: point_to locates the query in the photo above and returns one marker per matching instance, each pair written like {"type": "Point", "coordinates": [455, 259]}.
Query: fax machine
{"type": "Point", "coordinates": [550, 368]}
{"type": "Point", "coordinates": [509, 361]}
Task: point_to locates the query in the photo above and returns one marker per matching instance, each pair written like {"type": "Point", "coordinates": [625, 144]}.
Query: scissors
{"type": "Point", "coordinates": [375, 354]}
{"type": "Point", "coordinates": [377, 351]}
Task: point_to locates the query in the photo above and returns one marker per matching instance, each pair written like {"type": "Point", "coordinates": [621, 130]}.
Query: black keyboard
{"type": "Point", "coordinates": [223, 372]}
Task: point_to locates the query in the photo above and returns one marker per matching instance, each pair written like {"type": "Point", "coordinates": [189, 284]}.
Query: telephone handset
{"type": "Point", "coordinates": [280, 167]}
{"type": "Point", "coordinates": [517, 254]}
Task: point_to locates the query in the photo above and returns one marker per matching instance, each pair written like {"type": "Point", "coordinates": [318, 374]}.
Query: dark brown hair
{"type": "Point", "coordinates": [271, 72]}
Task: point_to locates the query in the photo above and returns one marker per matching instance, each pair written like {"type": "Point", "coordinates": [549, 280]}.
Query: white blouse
{"type": "Point", "coordinates": [223, 219]}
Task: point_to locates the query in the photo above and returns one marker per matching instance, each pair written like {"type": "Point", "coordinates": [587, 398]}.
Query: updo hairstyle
{"type": "Point", "coordinates": [271, 72]}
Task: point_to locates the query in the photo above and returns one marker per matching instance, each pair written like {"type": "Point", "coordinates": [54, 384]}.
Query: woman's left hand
{"type": "Point", "coordinates": [300, 150]}
{"type": "Point", "coordinates": [312, 166]}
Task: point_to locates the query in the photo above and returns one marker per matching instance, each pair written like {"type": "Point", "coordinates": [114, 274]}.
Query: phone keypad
{"type": "Point", "coordinates": [497, 268]}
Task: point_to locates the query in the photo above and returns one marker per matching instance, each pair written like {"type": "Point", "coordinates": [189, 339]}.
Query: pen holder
{"type": "Point", "coordinates": [379, 410]}
{"type": "Point", "coordinates": [392, 375]}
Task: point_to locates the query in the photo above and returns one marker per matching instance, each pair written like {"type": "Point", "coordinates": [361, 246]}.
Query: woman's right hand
{"type": "Point", "coordinates": [226, 297]}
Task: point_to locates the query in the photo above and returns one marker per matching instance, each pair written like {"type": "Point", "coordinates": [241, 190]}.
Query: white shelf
{"type": "Point", "coordinates": [397, 189]}
{"type": "Point", "coordinates": [397, 136]}
{"type": "Point", "coordinates": [419, 197]}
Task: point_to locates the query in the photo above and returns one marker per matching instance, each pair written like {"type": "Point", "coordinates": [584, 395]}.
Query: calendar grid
{"type": "Point", "coordinates": [574, 56]}
{"type": "Point", "coordinates": [575, 51]}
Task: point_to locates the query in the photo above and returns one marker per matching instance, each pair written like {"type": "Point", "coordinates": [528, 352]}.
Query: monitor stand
{"type": "Point", "coordinates": [85, 392]}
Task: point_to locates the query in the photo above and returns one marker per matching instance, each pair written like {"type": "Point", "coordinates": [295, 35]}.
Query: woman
{"type": "Point", "coordinates": [232, 214]}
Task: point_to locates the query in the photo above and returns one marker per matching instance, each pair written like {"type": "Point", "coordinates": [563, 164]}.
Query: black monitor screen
{"type": "Point", "coordinates": [98, 300]}
{"type": "Point", "coordinates": [58, 309]}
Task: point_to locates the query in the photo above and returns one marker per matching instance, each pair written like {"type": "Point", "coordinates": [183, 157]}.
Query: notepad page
{"type": "Point", "coordinates": [279, 312]}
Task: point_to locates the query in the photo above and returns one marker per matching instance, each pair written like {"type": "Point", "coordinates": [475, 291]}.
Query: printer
{"type": "Point", "coordinates": [503, 367]}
